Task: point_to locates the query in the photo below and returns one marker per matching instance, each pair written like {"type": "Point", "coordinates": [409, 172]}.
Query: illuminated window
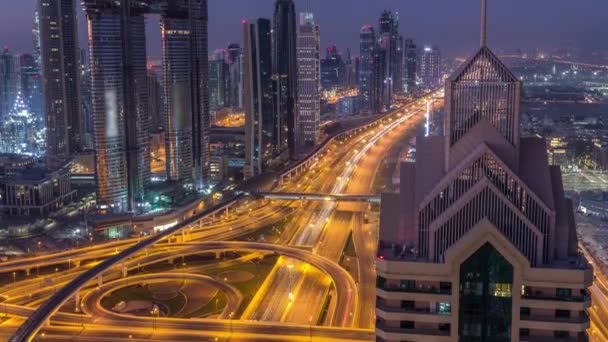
{"type": "Point", "coordinates": [501, 290]}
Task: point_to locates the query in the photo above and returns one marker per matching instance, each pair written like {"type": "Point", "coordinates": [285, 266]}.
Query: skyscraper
{"type": "Point", "coordinates": [309, 79]}
{"type": "Point", "coordinates": [59, 55]}
{"type": "Point", "coordinates": [430, 66]}
{"type": "Point", "coordinates": [30, 84]}
{"type": "Point", "coordinates": [260, 121]}
{"type": "Point", "coordinates": [156, 100]}
{"type": "Point", "coordinates": [367, 46]}
{"type": "Point", "coordinates": [235, 69]}
{"type": "Point", "coordinates": [410, 59]}
{"type": "Point", "coordinates": [120, 96]}
{"type": "Point", "coordinates": [285, 75]}
{"type": "Point", "coordinates": [218, 81]}
{"type": "Point", "coordinates": [8, 82]}
{"type": "Point", "coordinates": [120, 103]}
{"type": "Point", "coordinates": [186, 74]}
{"type": "Point", "coordinates": [333, 69]}
{"type": "Point", "coordinates": [481, 227]}
{"type": "Point", "coordinates": [389, 40]}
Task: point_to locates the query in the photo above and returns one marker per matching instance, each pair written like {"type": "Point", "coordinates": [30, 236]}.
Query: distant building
{"type": "Point", "coordinates": [8, 82]}
{"type": "Point", "coordinates": [235, 70]}
{"type": "Point", "coordinates": [429, 65]}
{"type": "Point", "coordinates": [480, 244]}
{"type": "Point", "coordinates": [156, 105]}
{"type": "Point", "coordinates": [218, 81]}
{"type": "Point", "coordinates": [348, 105]}
{"type": "Point", "coordinates": [30, 84]}
{"type": "Point", "coordinates": [260, 124]}
{"type": "Point", "coordinates": [35, 192]}
{"type": "Point", "coordinates": [309, 79]}
{"type": "Point", "coordinates": [366, 67]}
{"type": "Point", "coordinates": [410, 54]}
{"type": "Point", "coordinates": [333, 69]}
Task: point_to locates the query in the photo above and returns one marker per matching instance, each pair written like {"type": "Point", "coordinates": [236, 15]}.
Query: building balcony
{"type": "Point", "coordinates": [389, 313]}
{"type": "Point", "coordinates": [552, 323]}
{"type": "Point", "coordinates": [405, 294]}
{"type": "Point", "coordinates": [388, 333]}
{"type": "Point", "coordinates": [572, 303]}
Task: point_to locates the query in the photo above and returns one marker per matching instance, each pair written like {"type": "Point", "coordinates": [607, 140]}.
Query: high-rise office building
{"type": "Point", "coordinates": [260, 121]}
{"type": "Point", "coordinates": [429, 65]}
{"type": "Point", "coordinates": [480, 244]}
{"type": "Point", "coordinates": [410, 59]}
{"type": "Point", "coordinates": [389, 40]}
{"type": "Point", "coordinates": [36, 37]}
{"type": "Point", "coordinates": [235, 69]}
{"type": "Point", "coordinates": [309, 79]}
{"type": "Point", "coordinates": [186, 74]}
{"type": "Point", "coordinates": [285, 75]}
{"type": "Point", "coordinates": [120, 107]}
{"type": "Point", "coordinates": [380, 90]}
{"type": "Point", "coordinates": [218, 81]}
{"type": "Point", "coordinates": [120, 96]}
{"type": "Point", "coordinates": [59, 54]}
{"type": "Point", "coordinates": [333, 69]}
{"type": "Point", "coordinates": [156, 103]}
{"type": "Point", "coordinates": [30, 84]}
{"type": "Point", "coordinates": [8, 82]}
{"type": "Point", "coordinates": [367, 45]}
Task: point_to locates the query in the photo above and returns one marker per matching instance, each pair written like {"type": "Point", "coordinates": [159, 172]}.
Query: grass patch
{"type": "Point", "coordinates": [140, 292]}
{"type": "Point", "coordinates": [249, 288]}
{"type": "Point", "coordinates": [214, 307]}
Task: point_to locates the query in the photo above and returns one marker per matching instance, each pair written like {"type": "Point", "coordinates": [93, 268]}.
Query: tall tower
{"type": "Point", "coordinates": [410, 59]}
{"type": "Point", "coordinates": [481, 226]}
{"type": "Point", "coordinates": [59, 55]}
{"type": "Point", "coordinates": [309, 79]}
{"type": "Point", "coordinates": [367, 43]}
{"type": "Point", "coordinates": [257, 96]}
{"type": "Point", "coordinates": [285, 75]}
{"type": "Point", "coordinates": [235, 69]}
{"type": "Point", "coordinates": [8, 82]}
{"type": "Point", "coordinates": [186, 68]}
{"type": "Point", "coordinates": [119, 91]}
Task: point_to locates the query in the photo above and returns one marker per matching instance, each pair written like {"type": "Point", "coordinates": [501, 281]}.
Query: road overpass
{"type": "Point", "coordinates": [291, 196]}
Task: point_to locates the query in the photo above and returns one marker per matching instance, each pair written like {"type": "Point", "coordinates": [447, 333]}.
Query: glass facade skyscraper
{"type": "Point", "coordinates": [309, 79]}
{"type": "Point", "coordinates": [260, 121]}
{"type": "Point", "coordinates": [285, 75]}
{"type": "Point", "coordinates": [59, 54]}
{"type": "Point", "coordinates": [120, 96]}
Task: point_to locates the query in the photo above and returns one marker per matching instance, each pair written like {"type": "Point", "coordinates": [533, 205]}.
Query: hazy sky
{"type": "Point", "coordinates": [450, 24]}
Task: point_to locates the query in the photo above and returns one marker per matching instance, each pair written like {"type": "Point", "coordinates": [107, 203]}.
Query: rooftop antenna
{"type": "Point", "coordinates": [484, 23]}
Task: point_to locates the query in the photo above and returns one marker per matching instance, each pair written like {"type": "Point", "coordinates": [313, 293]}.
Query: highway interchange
{"type": "Point", "coordinates": [307, 294]}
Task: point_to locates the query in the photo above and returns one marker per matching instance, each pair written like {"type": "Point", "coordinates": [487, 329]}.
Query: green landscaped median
{"type": "Point", "coordinates": [142, 293]}
{"type": "Point", "coordinates": [258, 268]}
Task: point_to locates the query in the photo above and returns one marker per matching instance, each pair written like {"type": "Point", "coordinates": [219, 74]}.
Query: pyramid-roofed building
{"type": "Point", "coordinates": [480, 244]}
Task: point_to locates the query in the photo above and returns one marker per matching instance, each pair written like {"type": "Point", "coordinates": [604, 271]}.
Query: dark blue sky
{"type": "Point", "coordinates": [450, 24]}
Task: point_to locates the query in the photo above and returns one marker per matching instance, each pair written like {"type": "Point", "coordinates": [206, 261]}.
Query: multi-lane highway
{"type": "Point", "coordinates": [307, 288]}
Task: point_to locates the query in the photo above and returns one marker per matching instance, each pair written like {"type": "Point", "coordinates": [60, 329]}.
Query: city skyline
{"type": "Point", "coordinates": [543, 24]}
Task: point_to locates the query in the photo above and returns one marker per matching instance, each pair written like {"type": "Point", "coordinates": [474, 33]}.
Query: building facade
{"type": "Point", "coordinates": [480, 244]}
{"type": "Point", "coordinates": [60, 74]}
{"type": "Point", "coordinates": [309, 79]}
{"type": "Point", "coordinates": [119, 87]}
{"type": "Point", "coordinates": [410, 59]}
{"type": "Point", "coordinates": [429, 65]}
{"type": "Point", "coordinates": [260, 121]}
{"type": "Point", "coordinates": [367, 41]}
{"type": "Point", "coordinates": [285, 75]}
